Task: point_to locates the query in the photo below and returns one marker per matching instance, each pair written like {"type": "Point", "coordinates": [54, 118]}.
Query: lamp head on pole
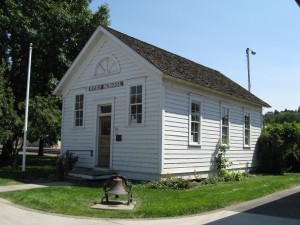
{"type": "Point", "coordinates": [249, 50]}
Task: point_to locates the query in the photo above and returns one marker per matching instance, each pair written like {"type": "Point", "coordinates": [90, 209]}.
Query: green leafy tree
{"type": "Point", "coordinates": [10, 123]}
{"type": "Point", "coordinates": [45, 121]}
{"type": "Point", "coordinates": [58, 30]}
{"type": "Point", "coordinates": [279, 148]}
{"type": "Point", "coordinates": [2, 90]}
{"type": "Point", "coordinates": [288, 116]}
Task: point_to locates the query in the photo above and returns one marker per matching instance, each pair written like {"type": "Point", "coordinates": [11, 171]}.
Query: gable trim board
{"type": "Point", "coordinates": [160, 144]}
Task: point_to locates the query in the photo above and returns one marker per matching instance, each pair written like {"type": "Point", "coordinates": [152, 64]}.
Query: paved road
{"type": "Point", "coordinates": [281, 208]}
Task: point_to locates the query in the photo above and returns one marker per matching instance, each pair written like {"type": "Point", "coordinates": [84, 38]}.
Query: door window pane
{"type": "Point", "coordinates": [106, 109]}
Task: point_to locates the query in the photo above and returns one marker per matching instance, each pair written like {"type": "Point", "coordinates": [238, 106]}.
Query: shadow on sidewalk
{"type": "Point", "coordinates": [282, 211]}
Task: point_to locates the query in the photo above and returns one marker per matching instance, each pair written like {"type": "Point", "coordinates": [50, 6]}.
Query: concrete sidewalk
{"type": "Point", "coordinates": [17, 187]}
{"type": "Point", "coordinates": [241, 214]}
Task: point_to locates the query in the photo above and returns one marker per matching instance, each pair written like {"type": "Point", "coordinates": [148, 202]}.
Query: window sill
{"type": "Point", "coordinates": [195, 144]}
{"type": "Point", "coordinates": [136, 125]}
{"type": "Point", "coordinates": [78, 128]}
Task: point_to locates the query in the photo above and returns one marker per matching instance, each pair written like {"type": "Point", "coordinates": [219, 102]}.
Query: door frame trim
{"type": "Point", "coordinates": [99, 102]}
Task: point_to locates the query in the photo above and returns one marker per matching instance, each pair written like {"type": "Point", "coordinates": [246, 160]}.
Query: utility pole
{"type": "Point", "coordinates": [248, 50]}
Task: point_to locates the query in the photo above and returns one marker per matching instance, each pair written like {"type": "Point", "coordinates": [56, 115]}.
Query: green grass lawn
{"type": "Point", "coordinates": [77, 200]}
{"type": "Point", "coordinates": [7, 181]}
{"type": "Point", "coordinates": [38, 169]}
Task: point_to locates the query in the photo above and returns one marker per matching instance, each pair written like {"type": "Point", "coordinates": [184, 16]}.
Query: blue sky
{"type": "Point", "coordinates": [216, 33]}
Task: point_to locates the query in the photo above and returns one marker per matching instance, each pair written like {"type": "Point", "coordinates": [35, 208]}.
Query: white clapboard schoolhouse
{"type": "Point", "coordinates": [134, 108]}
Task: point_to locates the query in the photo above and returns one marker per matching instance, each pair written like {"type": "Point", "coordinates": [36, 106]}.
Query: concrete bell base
{"type": "Point", "coordinates": [114, 205]}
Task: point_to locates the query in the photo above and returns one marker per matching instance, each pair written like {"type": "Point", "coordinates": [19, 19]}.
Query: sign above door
{"type": "Point", "coordinates": [106, 86]}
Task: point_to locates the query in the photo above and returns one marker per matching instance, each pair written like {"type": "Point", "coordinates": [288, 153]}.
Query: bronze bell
{"type": "Point", "coordinates": [117, 185]}
{"type": "Point", "coordinates": [117, 188]}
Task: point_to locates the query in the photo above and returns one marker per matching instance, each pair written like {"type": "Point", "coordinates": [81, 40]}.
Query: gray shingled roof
{"type": "Point", "coordinates": [184, 69]}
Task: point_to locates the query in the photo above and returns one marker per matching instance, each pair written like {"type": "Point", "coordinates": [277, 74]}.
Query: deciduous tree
{"type": "Point", "coordinates": [45, 121]}
{"type": "Point", "coordinates": [58, 30]}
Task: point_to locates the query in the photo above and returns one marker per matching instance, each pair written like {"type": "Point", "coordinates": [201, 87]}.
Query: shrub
{"type": "Point", "coordinates": [226, 176]}
{"type": "Point", "coordinates": [279, 148]}
{"type": "Point", "coordinates": [171, 183]}
{"type": "Point", "coordinates": [73, 159]}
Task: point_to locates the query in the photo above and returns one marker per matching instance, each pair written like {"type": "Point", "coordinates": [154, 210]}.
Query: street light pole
{"type": "Point", "coordinates": [26, 111]}
{"type": "Point", "coordinates": [248, 50]}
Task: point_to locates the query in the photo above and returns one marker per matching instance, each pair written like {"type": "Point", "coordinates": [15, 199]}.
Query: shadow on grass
{"type": "Point", "coordinates": [38, 169]}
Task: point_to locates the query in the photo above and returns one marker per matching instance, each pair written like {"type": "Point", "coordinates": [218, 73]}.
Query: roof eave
{"type": "Point", "coordinates": [195, 85]}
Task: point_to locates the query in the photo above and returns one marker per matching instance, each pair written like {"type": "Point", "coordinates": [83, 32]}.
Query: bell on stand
{"type": "Point", "coordinates": [116, 185]}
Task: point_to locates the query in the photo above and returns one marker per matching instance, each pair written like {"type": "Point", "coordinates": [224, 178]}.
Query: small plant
{"type": "Point", "coordinates": [73, 159]}
{"type": "Point", "coordinates": [171, 183]}
{"type": "Point", "coordinates": [221, 161]}
{"type": "Point", "coordinates": [222, 164]}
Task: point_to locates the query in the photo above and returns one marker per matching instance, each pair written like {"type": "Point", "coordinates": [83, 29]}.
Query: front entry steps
{"type": "Point", "coordinates": [90, 176]}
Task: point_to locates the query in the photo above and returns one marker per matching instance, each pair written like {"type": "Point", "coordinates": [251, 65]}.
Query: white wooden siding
{"type": "Point", "coordinates": [139, 149]}
{"type": "Point", "coordinates": [179, 157]}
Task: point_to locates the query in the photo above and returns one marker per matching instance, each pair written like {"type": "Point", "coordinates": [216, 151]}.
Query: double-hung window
{"type": "Point", "coordinates": [247, 129]}
{"type": "Point", "coordinates": [195, 120]}
{"type": "Point", "coordinates": [225, 125]}
{"type": "Point", "coordinates": [78, 112]}
{"type": "Point", "coordinates": [195, 123]}
{"type": "Point", "coordinates": [136, 104]}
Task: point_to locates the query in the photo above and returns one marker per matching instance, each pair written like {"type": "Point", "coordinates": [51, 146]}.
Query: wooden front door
{"type": "Point", "coordinates": [104, 141]}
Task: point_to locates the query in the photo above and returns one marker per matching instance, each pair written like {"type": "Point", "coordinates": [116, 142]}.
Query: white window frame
{"type": "Point", "coordinates": [244, 129]}
{"type": "Point", "coordinates": [198, 101]}
{"type": "Point", "coordinates": [136, 82]}
{"type": "Point", "coordinates": [83, 109]}
{"type": "Point", "coordinates": [228, 127]}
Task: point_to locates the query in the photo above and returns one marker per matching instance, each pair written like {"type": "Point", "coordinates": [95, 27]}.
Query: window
{"type": "Point", "coordinates": [247, 129]}
{"type": "Point", "coordinates": [136, 104]}
{"type": "Point", "coordinates": [78, 113]}
{"type": "Point", "coordinates": [225, 125]}
{"type": "Point", "coordinates": [105, 109]}
{"type": "Point", "coordinates": [195, 122]}
{"type": "Point", "coordinates": [107, 65]}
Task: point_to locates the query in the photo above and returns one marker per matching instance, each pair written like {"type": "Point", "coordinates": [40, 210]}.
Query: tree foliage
{"type": "Point", "coordinates": [279, 148]}
{"type": "Point", "coordinates": [58, 30]}
{"type": "Point", "coordinates": [282, 117]}
{"type": "Point", "coordinates": [10, 123]}
{"type": "Point", "coordinates": [279, 142]}
{"type": "Point", "coordinates": [45, 121]}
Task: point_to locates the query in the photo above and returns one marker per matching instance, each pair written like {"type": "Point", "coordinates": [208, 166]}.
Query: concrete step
{"type": "Point", "coordinates": [91, 174]}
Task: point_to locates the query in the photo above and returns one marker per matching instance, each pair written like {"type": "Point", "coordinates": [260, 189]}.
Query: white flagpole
{"type": "Point", "coordinates": [26, 111]}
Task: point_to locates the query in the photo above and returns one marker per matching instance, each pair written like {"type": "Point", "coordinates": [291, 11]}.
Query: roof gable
{"type": "Point", "coordinates": [84, 57]}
